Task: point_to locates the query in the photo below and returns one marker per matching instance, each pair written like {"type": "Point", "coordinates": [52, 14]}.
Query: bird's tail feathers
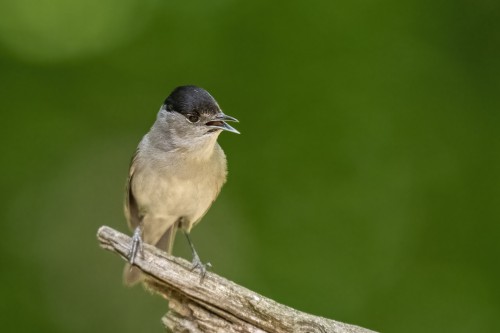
{"type": "Point", "coordinates": [132, 275]}
{"type": "Point", "coordinates": [166, 242]}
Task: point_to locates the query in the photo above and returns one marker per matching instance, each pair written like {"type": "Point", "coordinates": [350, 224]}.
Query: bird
{"type": "Point", "coordinates": [176, 173]}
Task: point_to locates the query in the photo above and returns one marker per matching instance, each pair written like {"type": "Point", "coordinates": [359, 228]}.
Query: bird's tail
{"type": "Point", "coordinates": [132, 275]}
{"type": "Point", "coordinates": [166, 241]}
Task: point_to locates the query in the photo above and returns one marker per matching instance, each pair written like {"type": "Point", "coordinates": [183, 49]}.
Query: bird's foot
{"type": "Point", "coordinates": [197, 264]}
{"type": "Point", "coordinates": [136, 245]}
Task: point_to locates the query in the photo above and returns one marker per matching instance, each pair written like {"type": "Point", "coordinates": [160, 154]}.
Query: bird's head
{"type": "Point", "coordinates": [191, 113]}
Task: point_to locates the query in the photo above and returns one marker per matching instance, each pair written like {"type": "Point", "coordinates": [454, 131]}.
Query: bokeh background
{"type": "Point", "coordinates": [364, 187]}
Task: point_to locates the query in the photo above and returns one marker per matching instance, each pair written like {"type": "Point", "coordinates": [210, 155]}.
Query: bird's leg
{"type": "Point", "coordinates": [196, 260]}
{"type": "Point", "coordinates": [136, 245]}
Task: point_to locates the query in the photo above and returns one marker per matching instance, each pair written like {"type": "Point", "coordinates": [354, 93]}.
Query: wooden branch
{"type": "Point", "coordinates": [216, 304]}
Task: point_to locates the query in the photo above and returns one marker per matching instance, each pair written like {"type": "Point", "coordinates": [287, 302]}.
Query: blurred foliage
{"type": "Point", "coordinates": [365, 186]}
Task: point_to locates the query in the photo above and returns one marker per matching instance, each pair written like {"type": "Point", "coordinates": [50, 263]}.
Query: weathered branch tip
{"type": "Point", "coordinates": [217, 304]}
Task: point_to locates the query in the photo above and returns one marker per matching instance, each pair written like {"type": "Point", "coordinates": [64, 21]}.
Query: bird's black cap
{"type": "Point", "coordinates": [191, 100]}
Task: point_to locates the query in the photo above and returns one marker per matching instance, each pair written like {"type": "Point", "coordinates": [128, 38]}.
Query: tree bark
{"type": "Point", "coordinates": [214, 304]}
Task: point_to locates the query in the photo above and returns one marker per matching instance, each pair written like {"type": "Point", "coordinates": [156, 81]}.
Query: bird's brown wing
{"type": "Point", "coordinates": [131, 275]}
{"type": "Point", "coordinates": [130, 206]}
{"type": "Point", "coordinates": [166, 242]}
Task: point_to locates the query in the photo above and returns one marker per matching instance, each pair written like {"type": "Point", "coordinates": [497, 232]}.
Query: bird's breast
{"type": "Point", "coordinates": [180, 190]}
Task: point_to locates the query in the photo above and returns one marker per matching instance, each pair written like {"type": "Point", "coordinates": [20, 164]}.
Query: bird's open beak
{"type": "Point", "coordinates": [220, 123]}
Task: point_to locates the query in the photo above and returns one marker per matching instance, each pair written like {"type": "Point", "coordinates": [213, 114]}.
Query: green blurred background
{"type": "Point", "coordinates": [364, 187]}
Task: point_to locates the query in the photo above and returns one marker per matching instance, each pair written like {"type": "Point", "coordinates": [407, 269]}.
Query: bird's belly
{"type": "Point", "coordinates": [164, 196]}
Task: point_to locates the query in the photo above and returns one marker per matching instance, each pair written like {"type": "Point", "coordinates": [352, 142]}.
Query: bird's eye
{"type": "Point", "coordinates": [193, 118]}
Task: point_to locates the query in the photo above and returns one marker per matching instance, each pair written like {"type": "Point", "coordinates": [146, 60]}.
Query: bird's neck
{"type": "Point", "coordinates": [199, 148]}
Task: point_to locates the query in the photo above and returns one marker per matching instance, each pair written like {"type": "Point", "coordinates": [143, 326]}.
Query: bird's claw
{"type": "Point", "coordinates": [197, 264]}
{"type": "Point", "coordinates": [136, 245]}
